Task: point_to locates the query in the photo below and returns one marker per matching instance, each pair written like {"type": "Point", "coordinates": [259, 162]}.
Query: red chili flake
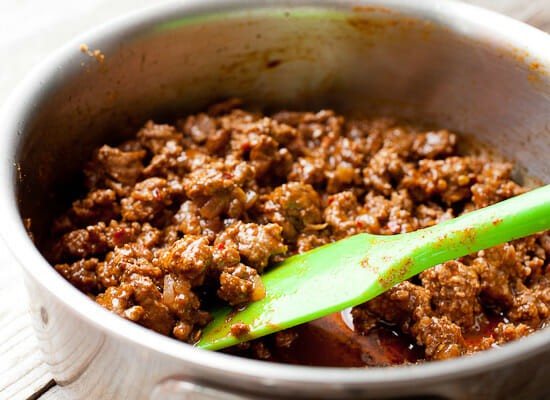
{"type": "Point", "coordinates": [330, 199]}
{"type": "Point", "coordinates": [359, 224]}
{"type": "Point", "coordinates": [157, 194]}
{"type": "Point", "coordinates": [221, 246]}
{"type": "Point", "coordinates": [227, 175]}
{"type": "Point", "coordinates": [119, 235]}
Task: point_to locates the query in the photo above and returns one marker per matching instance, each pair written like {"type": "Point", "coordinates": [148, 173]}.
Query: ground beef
{"type": "Point", "coordinates": [255, 243]}
{"type": "Point", "coordinates": [294, 206]}
{"type": "Point", "coordinates": [188, 258]}
{"type": "Point", "coordinates": [240, 285]}
{"type": "Point", "coordinates": [455, 292]}
{"type": "Point", "coordinates": [201, 207]}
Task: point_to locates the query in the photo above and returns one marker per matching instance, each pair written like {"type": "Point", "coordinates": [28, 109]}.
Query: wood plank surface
{"type": "Point", "coordinates": [23, 375]}
{"type": "Point", "coordinates": [22, 372]}
{"type": "Point", "coordinates": [53, 393]}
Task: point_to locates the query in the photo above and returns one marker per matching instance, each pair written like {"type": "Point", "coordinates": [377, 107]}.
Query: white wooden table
{"type": "Point", "coordinates": [29, 30]}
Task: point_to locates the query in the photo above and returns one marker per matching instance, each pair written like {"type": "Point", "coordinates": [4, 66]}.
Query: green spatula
{"type": "Point", "coordinates": [353, 270]}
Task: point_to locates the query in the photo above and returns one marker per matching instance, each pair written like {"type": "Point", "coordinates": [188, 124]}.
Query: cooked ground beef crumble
{"type": "Point", "coordinates": [197, 210]}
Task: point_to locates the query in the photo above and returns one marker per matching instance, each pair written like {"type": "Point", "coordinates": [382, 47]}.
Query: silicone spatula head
{"type": "Point", "coordinates": [354, 270]}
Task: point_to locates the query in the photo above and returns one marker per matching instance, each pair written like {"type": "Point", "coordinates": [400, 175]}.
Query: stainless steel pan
{"type": "Point", "coordinates": [457, 66]}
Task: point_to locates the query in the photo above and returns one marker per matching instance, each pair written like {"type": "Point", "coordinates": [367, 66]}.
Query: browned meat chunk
{"type": "Point", "coordinates": [434, 144]}
{"type": "Point", "coordinates": [97, 239]}
{"type": "Point", "coordinates": [494, 185]}
{"type": "Point", "coordinates": [508, 332]}
{"type": "Point", "coordinates": [184, 304]}
{"type": "Point", "coordinates": [189, 221]}
{"type": "Point", "coordinates": [154, 137]}
{"type": "Point", "coordinates": [294, 206]}
{"type": "Point", "coordinates": [384, 169]}
{"type": "Point", "coordinates": [199, 127]}
{"type": "Point", "coordinates": [221, 189]}
{"type": "Point", "coordinates": [455, 292]}
{"type": "Point", "coordinates": [122, 166]}
{"type": "Point", "coordinates": [189, 257]}
{"type": "Point", "coordinates": [127, 260]}
{"type": "Point", "coordinates": [308, 170]}
{"type": "Point", "coordinates": [182, 212]}
{"type": "Point", "coordinates": [240, 329]}
{"type": "Point", "coordinates": [148, 199]}
{"type": "Point", "coordinates": [449, 179]}
{"type": "Point", "coordinates": [241, 284]}
{"type": "Point", "coordinates": [255, 243]}
{"type": "Point", "coordinates": [81, 274]}
{"type": "Point", "coordinates": [99, 205]}
{"type": "Point", "coordinates": [442, 338]}
{"type": "Point", "coordinates": [342, 214]}
{"type": "Point", "coordinates": [496, 269]}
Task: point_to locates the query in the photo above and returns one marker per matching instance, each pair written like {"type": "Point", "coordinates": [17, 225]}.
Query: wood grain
{"type": "Point", "coordinates": [53, 393]}
{"type": "Point", "coordinates": [22, 372]}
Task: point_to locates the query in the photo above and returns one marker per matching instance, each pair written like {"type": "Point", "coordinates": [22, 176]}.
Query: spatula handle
{"type": "Point", "coordinates": [511, 219]}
